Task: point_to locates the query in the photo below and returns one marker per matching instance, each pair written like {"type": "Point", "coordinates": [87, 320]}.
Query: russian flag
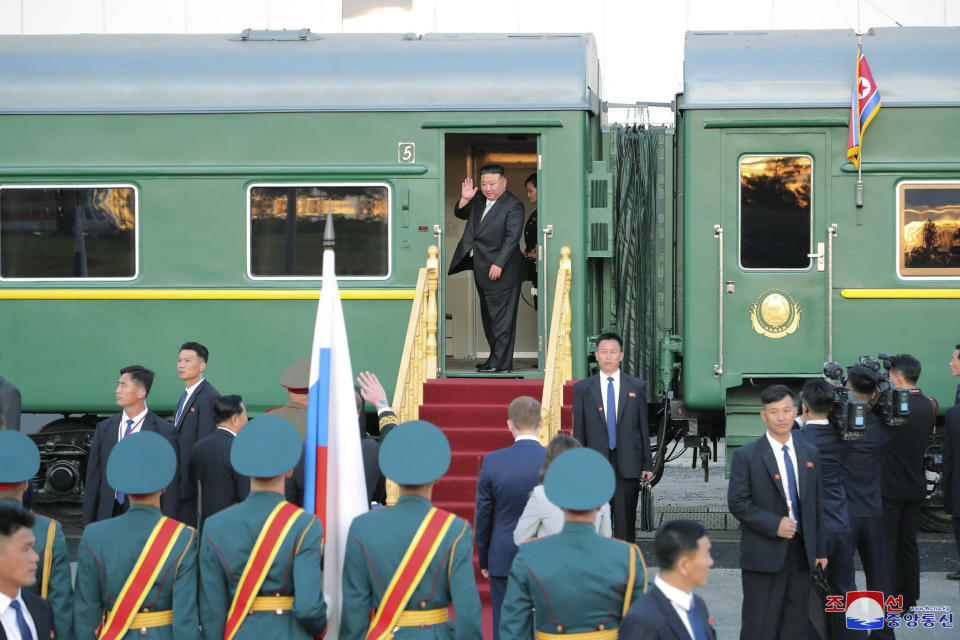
{"type": "Point", "coordinates": [864, 105]}
{"type": "Point", "coordinates": [335, 489]}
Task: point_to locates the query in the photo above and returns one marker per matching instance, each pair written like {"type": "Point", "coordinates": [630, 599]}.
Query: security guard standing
{"type": "Point", "coordinates": [261, 559]}
{"type": "Point", "coordinates": [137, 572]}
{"type": "Point", "coordinates": [19, 461]}
{"type": "Point", "coordinates": [575, 583]}
{"type": "Point", "coordinates": [410, 562]}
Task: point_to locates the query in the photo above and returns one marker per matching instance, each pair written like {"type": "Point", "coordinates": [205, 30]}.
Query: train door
{"type": "Point", "coordinates": [464, 344]}
{"type": "Point", "coordinates": [773, 274]}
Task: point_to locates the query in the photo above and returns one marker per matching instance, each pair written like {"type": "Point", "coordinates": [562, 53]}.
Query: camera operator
{"type": "Point", "coordinates": [904, 485]}
{"type": "Point", "coordinates": [816, 401]}
{"type": "Point", "coordinates": [864, 487]}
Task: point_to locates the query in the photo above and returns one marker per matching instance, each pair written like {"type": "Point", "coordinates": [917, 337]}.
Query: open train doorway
{"type": "Point", "coordinates": [465, 344]}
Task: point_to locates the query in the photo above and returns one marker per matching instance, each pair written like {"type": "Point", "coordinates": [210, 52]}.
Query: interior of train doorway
{"type": "Point", "coordinates": [464, 345]}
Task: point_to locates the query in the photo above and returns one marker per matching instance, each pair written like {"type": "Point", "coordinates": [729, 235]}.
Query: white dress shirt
{"type": "Point", "coordinates": [186, 400]}
{"type": "Point", "coordinates": [137, 423]}
{"type": "Point", "coordinates": [616, 391]}
{"type": "Point", "coordinates": [778, 456]}
{"type": "Point", "coordinates": [681, 601]}
{"type": "Point", "coordinates": [9, 617]}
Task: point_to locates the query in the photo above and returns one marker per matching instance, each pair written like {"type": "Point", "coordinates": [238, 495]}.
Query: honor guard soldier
{"type": "Point", "coordinates": [577, 583]}
{"type": "Point", "coordinates": [261, 559]}
{"type": "Point", "coordinates": [137, 572]}
{"type": "Point", "coordinates": [19, 462]}
{"type": "Point", "coordinates": [410, 562]}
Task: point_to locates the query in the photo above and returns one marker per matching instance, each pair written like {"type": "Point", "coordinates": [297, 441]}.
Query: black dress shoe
{"type": "Point", "coordinates": [484, 365]}
{"type": "Point", "coordinates": [488, 369]}
{"type": "Point", "coordinates": [954, 576]}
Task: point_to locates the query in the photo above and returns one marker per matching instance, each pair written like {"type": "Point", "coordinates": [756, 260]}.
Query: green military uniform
{"type": "Point", "coordinates": [19, 461]}
{"type": "Point", "coordinates": [141, 463]}
{"type": "Point", "coordinates": [416, 453]}
{"type": "Point", "coordinates": [576, 581]}
{"type": "Point", "coordinates": [266, 447]}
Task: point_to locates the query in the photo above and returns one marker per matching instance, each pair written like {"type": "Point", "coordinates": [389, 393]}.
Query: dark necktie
{"type": "Point", "coordinates": [126, 432]}
{"type": "Point", "coordinates": [792, 484]}
{"type": "Point", "coordinates": [957, 401]}
{"type": "Point", "coordinates": [183, 400]}
{"type": "Point", "coordinates": [696, 624]}
{"type": "Point", "coordinates": [25, 632]}
{"type": "Point", "coordinates": [611, 414]}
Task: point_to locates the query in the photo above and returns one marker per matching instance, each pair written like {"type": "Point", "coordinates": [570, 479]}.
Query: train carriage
{"type": "Point", "coordinates": [155, 189]}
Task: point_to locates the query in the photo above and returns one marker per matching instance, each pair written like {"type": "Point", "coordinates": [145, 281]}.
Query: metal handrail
{"type": "Point", "coordinates": [559, 365]}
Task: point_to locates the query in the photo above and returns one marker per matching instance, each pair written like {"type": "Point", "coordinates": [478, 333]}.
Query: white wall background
{"type": "Point", "coordinates": [640, 41]}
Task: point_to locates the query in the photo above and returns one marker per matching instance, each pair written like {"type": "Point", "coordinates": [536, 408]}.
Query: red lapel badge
{"type": "Point", "coordinates": [777, 476]}
{"type": "Point", "coordinates": [632, 394]}
{"type": "Point", "coordinates": [711, 621]}
{"type": "Point", "coordinates": [809, 465]}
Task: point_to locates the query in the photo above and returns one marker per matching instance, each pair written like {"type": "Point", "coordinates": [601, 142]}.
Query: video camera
{"type": "Point", "coordinates": [849, 415]}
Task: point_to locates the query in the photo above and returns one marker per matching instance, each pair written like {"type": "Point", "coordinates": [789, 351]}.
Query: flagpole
{"type": "Point", "coordinates": [860, 131]}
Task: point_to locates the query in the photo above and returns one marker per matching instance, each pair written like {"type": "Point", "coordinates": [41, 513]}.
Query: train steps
{"type": "Point", "coordinates": [472, 412]}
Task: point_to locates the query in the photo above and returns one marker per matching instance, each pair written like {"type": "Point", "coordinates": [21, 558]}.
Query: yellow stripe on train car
{"type": "Point", "coordinates": [200, 294]}
{"type": "Point", "coordinates": [901, 294]}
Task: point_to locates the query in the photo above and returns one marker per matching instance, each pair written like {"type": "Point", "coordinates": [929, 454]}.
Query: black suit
{"type": "Point", "coordinates": [41, 613]}
{"type": "Point", "coordinates": [632, 453]}
{"type": "Point", "coordinates": [99, 497]}
{"type": "Point", "coordinates": [196, 423]}
{"type": "Point", "coordinates": [653, 617]}
{"type": "Point", "coordinates": [951, 469]}
{"type": "Point", "coordinates": [220, 485]}
{"type": "Point", "coordinates": [494, 240]}
{"type": "Point", "coordinates": [775, 571]}
{"type": "Point", "coordinates": [904, 488]}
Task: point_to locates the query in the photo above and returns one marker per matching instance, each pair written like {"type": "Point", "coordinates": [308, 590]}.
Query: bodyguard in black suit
{"type": "Point", "coordinates": [193, 421]}
{"type": "Point", "coordinates": [951, 475]}
{"type": "Point", "coordinates": [507, 476]}
{"type": "Point", "coordinates": [955, 370]}
{"type": "Point", "coordinates": [816, 402]}
{"type": "Point", "coordinates": [670, 610]}
{"type": "Point", "coordinates": [780, 543]}
{"type": "Point", "coordinates": [490, 246]}
{"type": "Point", "coordinates": [610, 416]}
{"type": "Point", "coordinates": [100, 500]}
{"type": "Point", "coordinates": [26, 613]}
{"type": "Point", "coordinates": [904, 484]}
{"type": "Point", "coordinates": [220, 486]}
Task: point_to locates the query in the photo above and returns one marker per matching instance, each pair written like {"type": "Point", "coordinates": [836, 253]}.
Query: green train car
{"type": "Point", "coordinates": [155, 189]}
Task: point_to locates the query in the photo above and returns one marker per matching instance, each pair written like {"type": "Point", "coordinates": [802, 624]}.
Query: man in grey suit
{"type": "Point", "coordinates": [670, 610]}
{"type": "Point", "coordinates": [775, 493]}
{"type": "Point", "coordinates": [490, 247]}
{"type": "Point", "coordinates": [610, 417]}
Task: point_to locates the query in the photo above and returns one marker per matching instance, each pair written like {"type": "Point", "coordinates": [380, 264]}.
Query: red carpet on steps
{"type": "Point", "coordinates": [472, 412]}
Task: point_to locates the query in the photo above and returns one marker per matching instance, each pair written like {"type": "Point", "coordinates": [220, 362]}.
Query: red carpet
{"type": "Point", "coordinates": [472, 412]}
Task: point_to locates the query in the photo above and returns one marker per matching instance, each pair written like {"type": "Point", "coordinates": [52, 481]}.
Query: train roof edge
{"type": "Point", "coordinates": [912, 66]}
{"type": "Point", "coordinates": [169, 73]}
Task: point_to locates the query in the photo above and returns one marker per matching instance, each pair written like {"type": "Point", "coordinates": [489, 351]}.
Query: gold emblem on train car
{"type": "Point", "coordinates": [775, 314]}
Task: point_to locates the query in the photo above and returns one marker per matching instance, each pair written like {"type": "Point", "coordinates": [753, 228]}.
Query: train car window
{"type": "Point", "coordinates": [929, 228]}
{"type": "Point", "coordinates": [287, 225]}
{"type": "Point", "coordinates": [776, 216]}
{"type": "Point", "coordinates": [68, 232]}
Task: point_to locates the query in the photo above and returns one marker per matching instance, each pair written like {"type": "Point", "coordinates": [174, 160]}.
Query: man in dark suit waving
{"type": "Point", "coordinates": [610, 417]}
{"type": "Point", "coordinates": [670, 610]}
{"type": "Point", "coordinates": [23, 614]}
{"type": "Point", "coordinates": [507, 476]}
{"type": "Point", "coordinates": [775, 493]}
{"type": "Point", "coordinates": [490, 246]}
{"type": "Point", "coordinates": [193, 421]}
{"type": "Point", "coordinates": [100, 500]}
